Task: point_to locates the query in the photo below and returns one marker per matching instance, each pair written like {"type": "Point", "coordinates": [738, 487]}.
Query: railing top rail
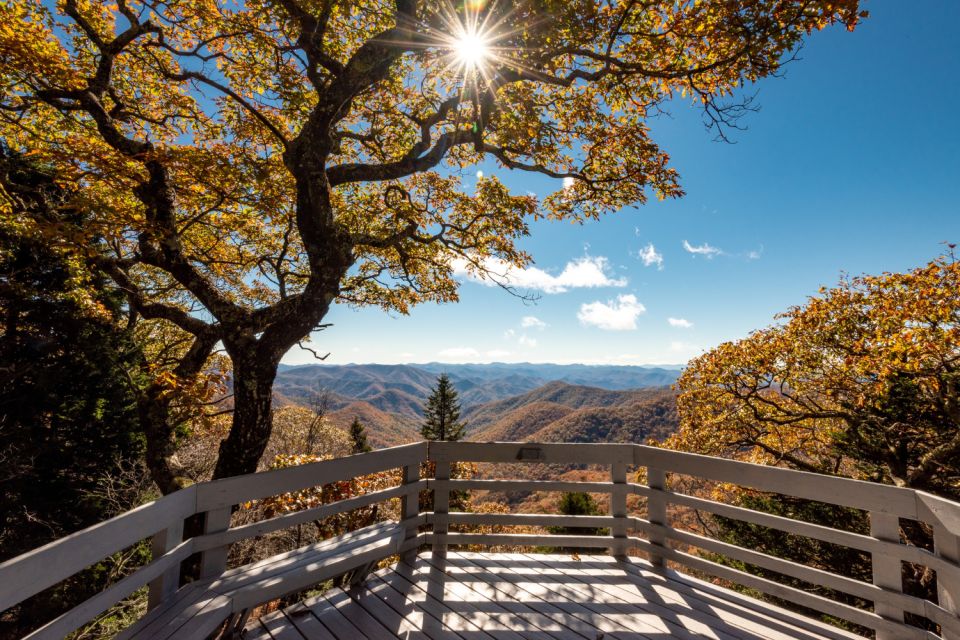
{"type": "Point", "coordinates": [858, 494]}
{"type": "Point", "coordinates": [548, 453]}
{"type": "Point", "coordinates": [28, 574]}
{"type": "Point", "coordinates": [847, 492]}
{"type": "Point", "coordinates": [227, 492]}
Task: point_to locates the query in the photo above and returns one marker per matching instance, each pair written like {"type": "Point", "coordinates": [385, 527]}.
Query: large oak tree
{"type": "Point", "coordinates": [252, 163]}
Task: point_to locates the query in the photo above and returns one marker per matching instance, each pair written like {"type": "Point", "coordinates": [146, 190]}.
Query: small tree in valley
{"type": "Point", "coordinates": [442, 413]}
{"type": "Point", "coordinates": [358, 435]}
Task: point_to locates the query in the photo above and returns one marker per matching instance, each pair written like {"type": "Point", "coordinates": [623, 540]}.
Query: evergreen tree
{"type": "Point", "coordinates": [358, 434]}
{"type": "Point", "coordinates": [68, 413]}
{"type": "Point", "coordinates": [442, 413]}
{"type": "Point", "coordinates": [577, 503]}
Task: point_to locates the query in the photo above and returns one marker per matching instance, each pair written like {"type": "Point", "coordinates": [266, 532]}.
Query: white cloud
{"type": "Point", "coordinates": [683, 323]}
{"type": "Point", "coordinates": [755, 254]}
{"type": "Point", "coordinates": [614, 315]}
{"type": "Point", "coordinates": [651, 256]}
{"type": "Point", "coordinates": [459, 352]}
{"type": "Point", "coordinates": [497, 353]}
{"type": "Point", "coordinates": [585, 272]}
{"type": "Point", "coordinates": [527, 341]}
{"type": "Point", "coordinates": [702, 250]}
{"type": "Point", "coordinates": [532, 322]}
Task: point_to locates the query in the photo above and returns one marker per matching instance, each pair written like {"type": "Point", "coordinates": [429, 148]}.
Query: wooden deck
{"type": "Point", "coordinates": [484, 596]}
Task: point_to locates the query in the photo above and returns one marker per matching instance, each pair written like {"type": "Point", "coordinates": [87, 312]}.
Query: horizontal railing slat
{"type": "Point", "coordinates": [904, 552]}
{"type": "Point", "coordinates": [521, 540]}
{"type": "Point", "coordinates": [947, 512]}
{"type": "Point", "coordinates": [230, 491]}
{"type": "Point", "coordinates": [803, 572]}
{"type": "Point", "coordinates": [92, 607]}
{"type": "Point", "coordinates": [521, 485]}
{"type": "Point", "coordinates": [34, 571]}
{"type": "Point", "coordinates": [846, 492]}
{"type": "Point", "coordinates": [797, 596]}
{"type": "Point", "coordinates": [529, 519]}
{"type": "Point", "coordinates": [242, 532]}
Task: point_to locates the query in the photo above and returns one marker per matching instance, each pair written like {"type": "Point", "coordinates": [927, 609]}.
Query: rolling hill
{"type": "Point", "coordinates": [500, 402]}
{"type": "Point", "coordinates": [559, 412]}
{"type": "Point", "coordinates": [403, 388]}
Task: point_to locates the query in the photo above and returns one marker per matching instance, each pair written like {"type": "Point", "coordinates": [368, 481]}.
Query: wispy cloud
{"type": "Point", "coordinates": [532, 322]}
{"type": "Point", "coordinates": [703, 250]}
{"type": "Point", "coordinates": [650, 256]}
{"type": "Point", "coordinates": [527, 341]}
{"type": "Point", "coordinates": [755, 254]}
{"type": "Point", "coordinates": [585, 272]}
{"type": "Point", "coordinates": [614, 315]}
{"type": "Point", "coordinates": [683, 323]}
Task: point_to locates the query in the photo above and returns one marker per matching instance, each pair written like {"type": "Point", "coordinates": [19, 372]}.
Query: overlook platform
{"type": "Point", "coordinates": [480, 596]}
{"type": "Point", "coordinates": [469, 575]}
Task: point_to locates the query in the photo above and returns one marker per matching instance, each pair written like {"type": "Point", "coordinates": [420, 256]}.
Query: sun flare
{"type": "Point", "coordinates": [472, 49]}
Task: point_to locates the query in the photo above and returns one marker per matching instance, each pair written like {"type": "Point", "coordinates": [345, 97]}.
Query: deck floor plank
{"type": "Point", "coordinates": [630, 592]}
{"type": "Point", "coordinates": [497, 601]}
{"type": "Point", "coordinates": [583, 601]}
{"type": "Point", "coordinates": [307, 623]}
{"type": "Point", "coordinates": [514, 592]}
{"type": "Point", "coordinates": [442, 612]}
{"type": "Point", "coordinates": [280, 627]}
{"type": "Point", "coordinates": [347, 609]}
{"type": "Point", "coordinates": [737, 608]}
{"type": "Point", "coordinates": [474, 605]}
{"type": "Point", "coordinates": [490, 596]}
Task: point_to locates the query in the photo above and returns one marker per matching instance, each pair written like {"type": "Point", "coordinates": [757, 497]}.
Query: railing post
{"type": "Point", "coordinates": [213, 562]}
{"type": "Point", "coordinates": [618, 508]}
{"type": "Point", "coordinates": [410, 508]}
{"type": "Point", "coordinates": [887, 570]}
{"type": "Point", "coordinates": [441, 505]}
{"type": "Point", "coordinates": [657, 511]}
{"type": "Point", "coordinates": [947, 546]}
{"type": "Point", "coordinates": [167, 584]}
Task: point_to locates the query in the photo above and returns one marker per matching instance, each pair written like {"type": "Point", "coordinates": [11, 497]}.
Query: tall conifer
{"type": "Point", "coordinates": [442, 413]}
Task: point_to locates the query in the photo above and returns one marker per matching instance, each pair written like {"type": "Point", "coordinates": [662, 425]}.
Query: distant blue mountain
{"type": "Point", "coordinates": [402, 388]}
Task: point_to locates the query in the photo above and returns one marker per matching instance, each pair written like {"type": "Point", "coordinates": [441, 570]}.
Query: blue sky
{"type": "Point", "coordinates": [851, 166]}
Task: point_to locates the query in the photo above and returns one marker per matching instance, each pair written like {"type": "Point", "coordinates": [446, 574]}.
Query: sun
{"type": "Point", "coordinates": [471, 48]}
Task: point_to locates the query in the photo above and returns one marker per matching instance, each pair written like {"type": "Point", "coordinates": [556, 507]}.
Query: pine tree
{"type": "Point", "coordinates": [442, 413]}
{"type": "Point", "coordinates": [358, 434]}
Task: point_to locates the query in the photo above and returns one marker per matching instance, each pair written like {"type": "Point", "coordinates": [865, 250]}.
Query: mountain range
{"type": "Point", "coordinates": [543, 402]}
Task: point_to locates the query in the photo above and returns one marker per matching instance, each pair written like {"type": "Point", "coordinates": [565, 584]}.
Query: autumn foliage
{"type": "Point", "coordinates": [861, 381]}
{"type": "Point", "coordinates": [252, 163]}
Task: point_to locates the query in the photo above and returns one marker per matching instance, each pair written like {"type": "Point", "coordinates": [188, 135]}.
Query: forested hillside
{"type": "Point", "coordinates": [500, 403]}
{"type": "Point", "coordinates": [403, 388]}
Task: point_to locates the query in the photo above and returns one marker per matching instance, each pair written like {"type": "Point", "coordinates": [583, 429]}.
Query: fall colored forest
{"type": "Point", "coordinates": [190, 189]}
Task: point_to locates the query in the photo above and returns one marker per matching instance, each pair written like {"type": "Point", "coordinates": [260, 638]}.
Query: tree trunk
{"type": "Point", "coordinates": [253, 376]}
{"type": "Point", "coordinates": [154, 412]}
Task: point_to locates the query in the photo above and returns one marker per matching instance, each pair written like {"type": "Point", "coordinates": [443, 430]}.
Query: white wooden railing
{"type": "Point", "coordinates": [655, 534]}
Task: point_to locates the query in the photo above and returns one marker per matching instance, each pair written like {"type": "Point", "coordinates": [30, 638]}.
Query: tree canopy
{"type": "Point", "coordinates": [862, 381]}
{"type": "Point", "coordinates": [252, 163]}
